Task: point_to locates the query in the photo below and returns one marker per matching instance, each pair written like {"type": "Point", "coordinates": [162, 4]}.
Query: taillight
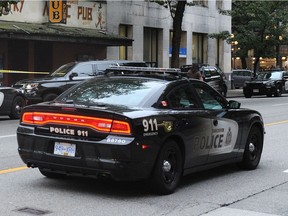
{"type": "Point", "coordinates": [100, 124]}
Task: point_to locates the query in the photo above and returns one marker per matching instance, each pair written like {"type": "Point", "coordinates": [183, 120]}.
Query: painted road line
{"type": "Point", "coordinates": [284, 104]}
{"type": "Point", "coordinates": [13, 169]}
{"type": "Point", "coordinates": [276, 123]}
{"type": "Point", "coordinates": [285, 171]}
{"type": "Point", "coordinates": [7, 136]}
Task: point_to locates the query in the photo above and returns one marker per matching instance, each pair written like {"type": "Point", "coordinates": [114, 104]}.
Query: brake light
{"type": "Point", "coordinates": [100, 124]}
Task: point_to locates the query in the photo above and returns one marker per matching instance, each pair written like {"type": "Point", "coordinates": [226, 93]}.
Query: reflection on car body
{"type": "Point", "coordinates": [267, 83]}
{"type": "Point", "coordinates": [139, 126]}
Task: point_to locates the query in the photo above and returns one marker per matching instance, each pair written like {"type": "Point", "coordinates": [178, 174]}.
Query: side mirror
{"type": "Point", "coordinates": [233, 104]}
{"type": "Point", "coordinates": [73, 74]}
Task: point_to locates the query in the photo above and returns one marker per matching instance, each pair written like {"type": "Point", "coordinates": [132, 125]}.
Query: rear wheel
{"type": "Point", "coordinates": [168, 169]}
{"type": "Point", "coordinates": [253, 149]}
{"type": "Point", "coordinates": [17, 106]}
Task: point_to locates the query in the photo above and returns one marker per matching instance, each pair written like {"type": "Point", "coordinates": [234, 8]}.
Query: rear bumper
{"type": "Point", "coordinates": [260, 90]}
{"type": "Point", "coordinates": [91, 159]}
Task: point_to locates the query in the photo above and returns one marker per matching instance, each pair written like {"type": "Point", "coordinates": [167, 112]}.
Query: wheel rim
{"type": "Point", "coordinates": [169, 166]}
{"type": "Point", "coordinates": [253, 148]}
{"type": "Point", "coordinates": [279, 91]}
{"type": "Point", "coordinates": [18, 107]}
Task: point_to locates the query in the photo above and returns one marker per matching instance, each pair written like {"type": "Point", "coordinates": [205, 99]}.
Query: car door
{"type": "Point", "coordinates": [193, 124]}
{"type": "Point", "coordinates": [285, 78]}
{"type": "Point", "coordinates": [222, 137]}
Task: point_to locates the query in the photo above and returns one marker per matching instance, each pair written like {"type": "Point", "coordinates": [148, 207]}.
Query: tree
{"type": "Point", "coordinates": [5, 6]}
{"type": "Point", "coordinates": [176, 8]}
{"type": "Point", "coordinates": [224, 35]}
{"type": "Point", "coordinates": [260, 26]}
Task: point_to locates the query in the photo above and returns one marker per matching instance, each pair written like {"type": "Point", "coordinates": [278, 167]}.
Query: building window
{"type": "Point", "coordinates": [219, 4]}
{"type": "Point", "coordinates": [203, 3]}
{"type": "Point", "coordinates": [182, 50]}
{"type": "Point", "coordinates": [199, 48]}
{"type": "Point", "coordinates": [150, 48]}
{"type": "Point", "coordinates": [125, 51]}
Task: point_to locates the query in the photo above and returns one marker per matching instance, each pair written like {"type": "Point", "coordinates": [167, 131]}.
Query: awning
{"type": "Point", "coordinates": [60, 33]}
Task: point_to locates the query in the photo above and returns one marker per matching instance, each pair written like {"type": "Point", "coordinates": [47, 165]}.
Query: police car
{"type": "Point", "coordinates": [12, 102]}
{"type": "Point", "coordinates": [139, 123]}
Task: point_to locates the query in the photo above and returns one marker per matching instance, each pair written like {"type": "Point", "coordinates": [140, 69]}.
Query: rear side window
{"type": "Point", "coordinates": [247, 73]}
{"type": "Point", "coordinates": [83, 70]}
{"type": "Point", "coordinates": [210, 98]}
{"type": "Point", "coordinates": [102, 67]}
{"type": "Point", "coordinates": [182, 98]}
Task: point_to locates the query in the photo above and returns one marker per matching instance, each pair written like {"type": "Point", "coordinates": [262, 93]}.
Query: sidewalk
{"type": "Point", "coordinates": [231, 93]}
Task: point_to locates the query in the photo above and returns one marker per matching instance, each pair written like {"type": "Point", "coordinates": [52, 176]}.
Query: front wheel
{"type": "Point", "coordinates": [278, 91]}
{"type": "Point", "coordinates": [168, 169]}
{"type": "Point", "coordinates": [253, 149]}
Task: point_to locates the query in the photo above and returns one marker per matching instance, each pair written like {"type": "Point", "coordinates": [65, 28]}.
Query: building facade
{"type": "Point", "coordinates": [150, 25]}
{"type": "Point", "coordinates": [133, 30]}
{"type": "Point", "coordinates": [30, 43]}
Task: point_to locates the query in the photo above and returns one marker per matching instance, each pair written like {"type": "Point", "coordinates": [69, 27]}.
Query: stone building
{"type": "Point", "coordinates": [149, 25]}
{"type": "Point", "coordinates": [30, 42]}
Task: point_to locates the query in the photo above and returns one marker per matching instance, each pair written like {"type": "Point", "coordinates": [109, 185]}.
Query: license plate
{"type": "Point", "coordinates": [65, 149]}
{"type": "Point", "coordinates": [256, 90]}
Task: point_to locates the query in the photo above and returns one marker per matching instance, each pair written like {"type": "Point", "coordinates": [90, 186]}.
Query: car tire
{"type": "Point", "coordinates": [253, 149]}
{"type": "Point", "coordinates": [51, 174]}
{"type": "Point", "coordinates": [168, 169]}
{"type": "Point", "coordinates": [278, 91]}
{"type": "Point", "coordinates": [16, 108]}
{"type": "Point", "coordinates": [247, 94]}
{"type": "Point", "coordinates": [49, 97]}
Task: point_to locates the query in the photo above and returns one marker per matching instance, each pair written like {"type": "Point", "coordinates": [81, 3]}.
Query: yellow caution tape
{"type": "Point", "coordinates": [23, 72]}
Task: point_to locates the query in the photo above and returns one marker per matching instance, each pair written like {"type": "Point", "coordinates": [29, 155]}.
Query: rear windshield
{"type": "Point", "coordinates": [122, 91]}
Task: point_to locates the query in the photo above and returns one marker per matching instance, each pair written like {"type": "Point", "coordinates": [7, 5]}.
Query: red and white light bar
{"type": "Point", "coordinates": [99, 124]}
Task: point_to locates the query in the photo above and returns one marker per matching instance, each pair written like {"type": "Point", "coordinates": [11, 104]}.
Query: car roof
{"type": "Point", "coordinates": [242, 70]}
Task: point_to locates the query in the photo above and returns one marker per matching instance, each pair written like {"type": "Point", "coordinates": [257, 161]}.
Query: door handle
{"type": "Point", "coordinates": [215, 122]}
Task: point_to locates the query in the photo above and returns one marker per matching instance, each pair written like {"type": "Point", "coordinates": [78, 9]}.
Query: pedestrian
{"type": "Point", "coordinates": [194, 72]}
{"type": "Point", "coordinates": [286, 63]}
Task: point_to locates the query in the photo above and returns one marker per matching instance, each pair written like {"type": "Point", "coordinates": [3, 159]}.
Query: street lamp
{"type": "Point", "coordinates": [234, 51]}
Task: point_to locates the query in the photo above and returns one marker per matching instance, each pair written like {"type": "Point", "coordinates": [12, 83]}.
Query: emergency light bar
{"type": "Point", "coordinates": [153, 72]}
{"type": "Point", "coordinates": [146, 70]}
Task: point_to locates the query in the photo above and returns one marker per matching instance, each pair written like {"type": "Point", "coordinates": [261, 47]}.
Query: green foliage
{"type": "Point", "coordinates": [5, 6]}
{"type": "Point", "coordinates": [259, 26]}
{"type": "Point", "coordinates": [224, 35]}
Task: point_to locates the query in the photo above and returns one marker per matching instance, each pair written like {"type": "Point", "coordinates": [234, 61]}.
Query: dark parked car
{"type": "Point", "coordinates": [131, 127]}
{"type": "Point", "coordinates": [49, 87]}
{"type": "Point", "coordinates": [185, 68]}
{"type": "Point", "coordinates": [267, 83]}
{"type": "Point", "coordinates": [12, 102]}
{"type": "Point", "coordinates": [239, 76]}
{"type": "Point", "coordinates": [215, 78]}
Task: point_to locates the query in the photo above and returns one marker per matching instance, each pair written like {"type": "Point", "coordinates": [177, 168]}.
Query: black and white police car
{"type": "Point", "coordinates": [148, 125]}
{"type": "Point", "coordinates": [12, 102]}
